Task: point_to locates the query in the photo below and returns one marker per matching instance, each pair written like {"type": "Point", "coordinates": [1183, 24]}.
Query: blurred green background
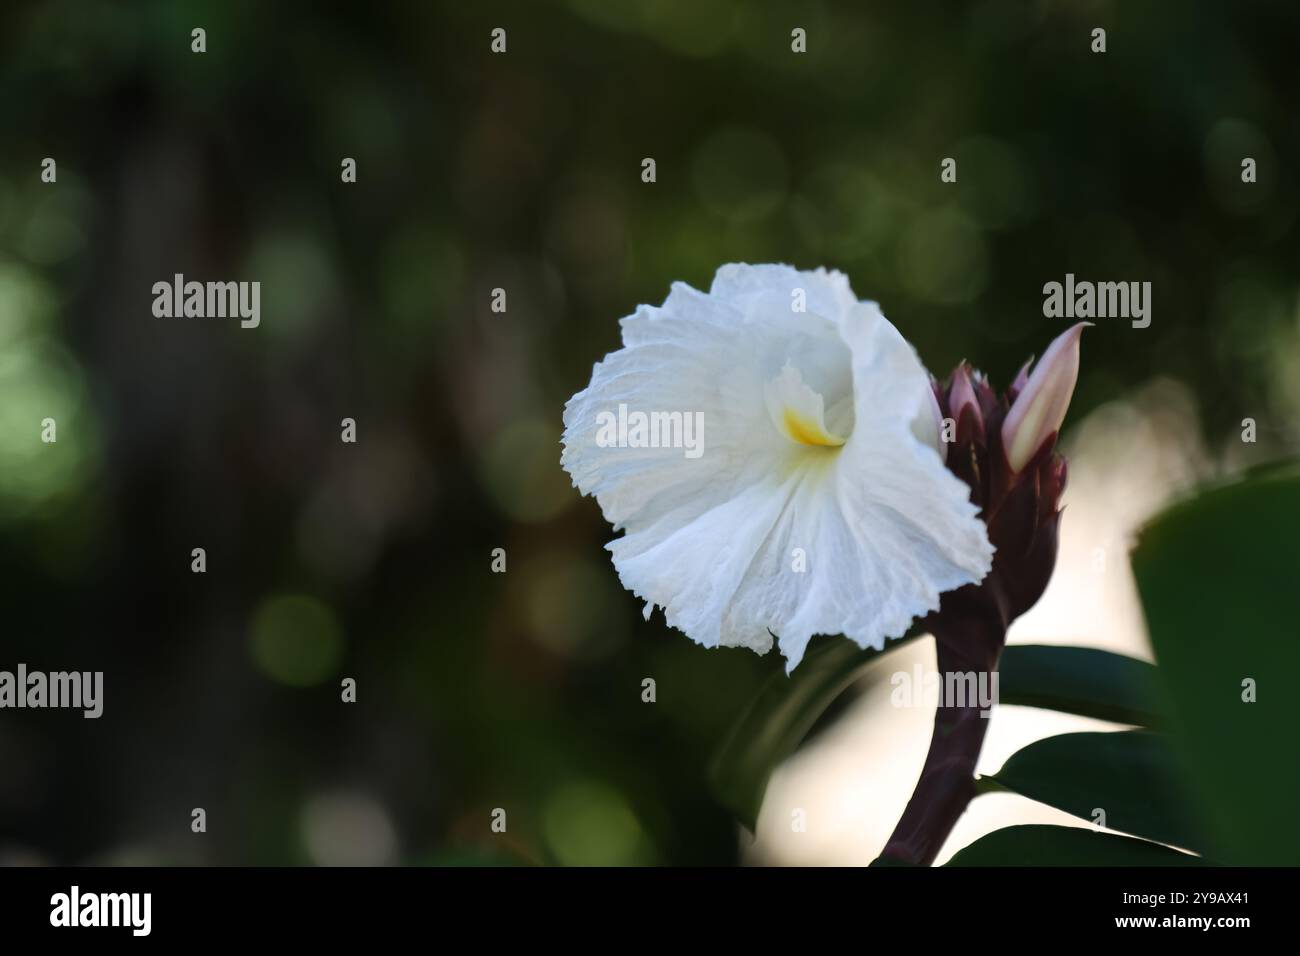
{"type": "Point", "coordinates": [522, 171]}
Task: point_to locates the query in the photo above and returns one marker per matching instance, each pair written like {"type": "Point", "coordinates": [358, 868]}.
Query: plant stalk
{"type": "Point", "coordinates": [968, 644]}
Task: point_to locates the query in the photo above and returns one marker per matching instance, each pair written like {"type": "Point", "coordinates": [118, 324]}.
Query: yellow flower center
{"type": "Point", "coordinates": [799, 413]}
{"type": "Point", "coordinates": [808, 431]}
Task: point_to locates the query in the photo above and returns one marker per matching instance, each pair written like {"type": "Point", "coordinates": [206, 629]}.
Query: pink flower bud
{"type": "Point", "coordinates": [962, 396]}
{"type": "Point", "coordinates": [1040, 406]}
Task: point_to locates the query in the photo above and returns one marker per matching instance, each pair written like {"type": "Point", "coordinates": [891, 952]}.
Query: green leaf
{"type": "Point", "coordinates": [1219, 578]}
{"type": "Point", "coordinates": [780, 717]}
{"type": "Point", "coordinates": [1130, 775]}
{"type": "Point", "coordinates": [1041, 845]}
{"type": "Point", "coordinates": [1081, 680]}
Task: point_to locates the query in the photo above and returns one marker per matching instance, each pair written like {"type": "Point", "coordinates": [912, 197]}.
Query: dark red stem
{"type": "Point", "coordinates": [947, 781]}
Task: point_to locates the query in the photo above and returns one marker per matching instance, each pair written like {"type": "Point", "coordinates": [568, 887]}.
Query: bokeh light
{"type": "Point", "coordinates": [296, 640]}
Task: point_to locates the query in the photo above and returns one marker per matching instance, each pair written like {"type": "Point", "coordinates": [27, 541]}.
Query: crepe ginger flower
{"type": "Point", "coordinates": [814, 496]}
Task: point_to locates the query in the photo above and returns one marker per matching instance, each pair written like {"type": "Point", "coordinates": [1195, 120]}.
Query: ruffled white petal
{"type": "Point", "coordinates": [776, 529]}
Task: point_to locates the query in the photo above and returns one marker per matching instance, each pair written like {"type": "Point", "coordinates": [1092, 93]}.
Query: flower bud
{"type": "Point", "coordinates": [962, 400]}
{"type": "Point", "coordinates": [1039, 407]}
{"type": "Point", "coordinates": [1015, 481]}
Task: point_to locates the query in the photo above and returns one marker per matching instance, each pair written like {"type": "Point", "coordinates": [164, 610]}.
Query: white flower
{"type": "Point", "coordinates": [820, 503]}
